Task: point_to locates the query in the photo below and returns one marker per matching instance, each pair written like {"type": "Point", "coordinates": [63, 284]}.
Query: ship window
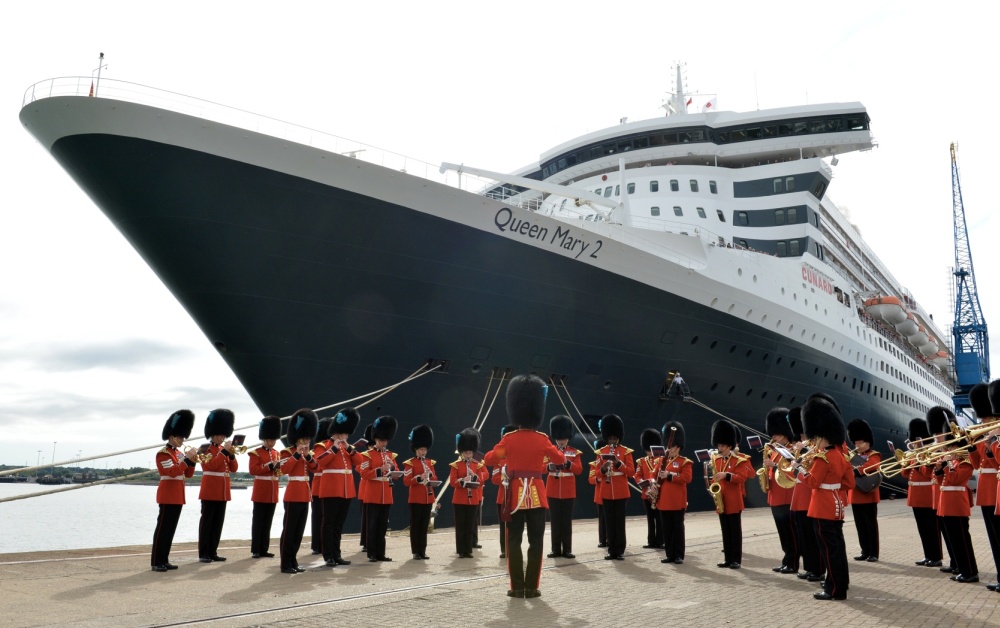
{"type": "Point", "coordinates": [712, 187]}
{"type": "Point", "coordinates": [607, 192]}
{"type": "Point", "coordinates": [817, 126]}
{"type": "Point", "coordinates": [833, 125]}
{"type": "Point", "coordinates": [597, 191]}
{"type": "Point", "coordinates": [770, 131]}
{"type": "Point", "coordinates": [855, 124]}
{"type": "Point", "coordinates": [742, 243]}
{"type": "Point", "coordinates": [782, 248]}
{"type": "Point", "coordinates": [779, 216]}
{"type": "Point", "coordinates": [820, 189]}
{"type": "Point", "coordinates": [789, 184]}
{"type": "Point", "coordinates": [722, 217]}
{"type": "Point", "coordinates": [631, 188]}
{"type": "Point", "coordinates": [723, 137]}
{"type": "Point", "coordinates": [739, 135]}
{"type": "Point", "coordinates": [618, 189]}
{"type": "Point", "coordinates": [793, 248]}
{"type": "Point", "coordinates": [721, 241]}
{"type": "Point", "coordinates": [777, 186]}
{"type": "Point", "coordinates": [792, 215]}
{"type": "Point", "coordinates": [753, 133]}
{"type": "Point", "coordinates": [654, 186]}
{"type": "Point", "coordinates": [674, 186]}
{"type": "Point", "coordinates": [678, 211]}
{"type": "Point", "coordinates": [694, 185]}
{"type": "Point", "coordinates": [742, 219]}
{"type": "Point", "coordinates": [784, 129]}
{"type": "Point", "coordinates": [641, 142]}
{"type": "Point", "coordinates": [798, 128]}
{"type": "Point", "coordinates": [701, 212]}
{"type": "Point", "coordinates": [654, 211]}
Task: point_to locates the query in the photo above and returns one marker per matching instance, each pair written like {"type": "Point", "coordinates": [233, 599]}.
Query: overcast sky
{"type": "Point", "coordinates": [95, 353]}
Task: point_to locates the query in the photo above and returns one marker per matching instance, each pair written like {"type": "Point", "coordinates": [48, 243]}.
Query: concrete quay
{"type": "Point", "coordinates": [115, 587]}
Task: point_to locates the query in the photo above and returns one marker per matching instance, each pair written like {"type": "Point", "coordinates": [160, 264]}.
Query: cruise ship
{"type": "Point", "coordinates": [704, 244]}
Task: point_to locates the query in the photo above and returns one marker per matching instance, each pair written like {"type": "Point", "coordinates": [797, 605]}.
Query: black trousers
{"type": "Point", "coordinates": [479, 522]}
{"type": "Point", "coordinates": [316, 525]}
{"type": "Point", "coordinates": [334, 510]}
{"type": "Point", "coordinates": [927, 528]}
{"type": "Point", "coordinates": [992, 529]}
{"type": "Point", "coordinates": [947, 541]}
{"type": "Point", "coordinates": [525, 576]}
{"type": "Point", "coordinates": [654, 533]}
{"type": "Point", "coordinates": [364, 524]}
{"type": "Point", "coordinates": [420, 519]}
{"type": "Point", "coordinates": [163, 536]}
{"type": "Point", "coordinates": [465, 528]}
{"type": "Point", "coordinates": [602, 526]}
{"type": "Point", "coordinates": [292, 529]}
{"type": "Point", "coordinates": [672, 524]}
{"type": "Point", "coordinates": [866, 522]}
{"type": "Point", "coordinates": [378, 524]}
{"type": "Point", "coordinates": [260, 527]}
{"type": "Point", "coordinates": [503, 530]}
{"type": "Point", "coordinates": [961, 545]}
{"type": "Point", "coordinates": [561, 528]}
{"type": "Point", "coordinates": [732, 537]}
{"type": "Point", "coordinates": [213, 515]}
{"type": "Point", "coordinates": [830, 536]}
{"type": "Point", "coordinates": [805, 541]}
{"type": "Point", "coordinates": [614, 522]}
{"type": "Point", "coordinates": [786, 536]}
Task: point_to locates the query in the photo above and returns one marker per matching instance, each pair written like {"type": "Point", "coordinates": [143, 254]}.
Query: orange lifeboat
{"type": "Point", "coordinates": [930, 347]}
{"type": "Point", "coordinates": [940, 359]}
{"type": "Point", "coordinates": [889, 309]}
{"type": "Point", "coordinates": [919, 337]}
{"type": "Point", "coordinates": [908, 327]}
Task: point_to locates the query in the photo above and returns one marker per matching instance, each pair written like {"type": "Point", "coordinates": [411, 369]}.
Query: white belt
{"type": "Point", "coordinates": [921, 483]}
{"type": "Point", "coordinates": [337, 471]}
{"type": "Point", "coordinates": [167, 477]}
{"type": "Point", "coordinates": [617, 473]}
{"type": "Point", "coordinates": [380, 479]}
{"type": "Point", "coordinates": [266, 477]}
{"type": "Point", "coordinates": [988, 470]}
{"type": "Point", "coordinates": [221, 474]}
{"type": "Point", "coordinates": [560, 474]}
{"type": "Point", "coordinates": [830, 487]}
{"type": "Point", "coordinates": [952, 488]}
{"type": "Point", "coordinates": [297, 478]}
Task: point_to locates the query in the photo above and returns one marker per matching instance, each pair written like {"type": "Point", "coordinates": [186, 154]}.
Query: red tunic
{"type": "Point", "coordinates": [645, 473]}
{"type": "Point", "coordinates": [337, 470]}
{"type": "Point", "coordinates": [596, 479]}
{"type": "Point", "coordinates": [921, 489]}
{"type": "Point", "coordinates": [265, 479]}
{"type": "Point", "coordinates": [614, 484]}
{"type": "Point", "coordinates": [777, 495]}
{"type": "Point", "coordinates": [740, 470]}
{"type": "Point", "coordinates": [297, 470]}
{"type": "Point", "coordinates": [414, 471]}
{"type": "Point", "coordinates": [498, 477]}
{"type": "Point", "coordinates": [985, 460]}
{"type": "Point", "coordinates": [955, 499]}
{"type": "Point", "coordinates": [460, 470]}
{"type": "Point", "coordinates": [215, 475]}
{"type": "Point", "coordinates": [378, 488]}
{"type": "Point", "coordinates": [673, 491]}
{"type": "Point", "coordinates": [525, 453]}
{"type": "Point", "coordinates": [173, 468]}
{"type": "Point", "coordinates": [830, 477]}
{"type": "Point", "coordinates": [860, 497]}
{"type": "Point", "coordinates": [561, 483]}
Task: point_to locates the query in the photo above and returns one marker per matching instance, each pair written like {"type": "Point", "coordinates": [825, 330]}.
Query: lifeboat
{"type": "Point", "coordinates": [889, 309]}
{"type": "Point", "coordinates": [940, 359]}
{"type": "Point", "coordinates": [919, 337]}
{"type": "Point", "coordinates": [929, 348]}
{"type": "Point", "coordinates": [908, 327]}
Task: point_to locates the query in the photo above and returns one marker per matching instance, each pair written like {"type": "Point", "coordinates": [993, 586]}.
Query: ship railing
{"type": "Point", "coordinates": [113, 89]}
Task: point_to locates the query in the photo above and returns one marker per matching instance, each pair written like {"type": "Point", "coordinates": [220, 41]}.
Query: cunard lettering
{"type": "Point", "coordinates": [816, 279]}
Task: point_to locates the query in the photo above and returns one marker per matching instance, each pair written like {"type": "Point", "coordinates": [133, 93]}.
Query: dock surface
{"type": "Point", "coordinates": [115, 587]}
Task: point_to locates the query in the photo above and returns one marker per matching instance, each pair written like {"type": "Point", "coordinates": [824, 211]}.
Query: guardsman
{"type": "Point", "coordinates": [731, 470]}
{"type": "Point", "coordinates": [645, 473]}
{"type": "Point", "coordinates": [673, 474]}
{"type": "Point", "coordinates": [524, 451]}
{"type": "Point", "coordinates": [595, 479]}
{"type": "Point", "coordinates": [827, 471]}
{"type": "Point", "coordinates": [779, 497]}
{"type": "Point", "coordinates": [616, 466]}
{"type": "Point", "coordinates": [803, 527]}
{"type": "Point", "coordinates": [953, 473]}
{"type": "Point", "coordinates": [982, 457]}
{"type": "Point", "coordinates": [361, 489]}
{"type": "Point", "coordinates": [316, 485]}
{"type": "Point", "coordinates": [939, 421]}
{"type": "Point", "coordinates": [297, 463]}
{"type": "Point", "coordinates": [920, 498]}
{"type": "Point", "coordinates": [173, 467]}
{"type": "Point", "coordinates": [560, 487]}
{"type": "Point", "coordinates": [215, 493]}
{"type": "Point", "coordinates": [265, 467]}
{"type": "Point", "coordinates": [336, 460]}
{"type": "Point", "coordinates": [379, 468]}
{"type": "Point", "coordinates": [864, 504]}
{"type": "Point", "coordinates": [466, 478]}
{"type": "Point", "coordinates": [994, 448]}
{"type": "Point", "coordinates": [420, 477]}
{"type": "Point", "coordinates": [500, 480]}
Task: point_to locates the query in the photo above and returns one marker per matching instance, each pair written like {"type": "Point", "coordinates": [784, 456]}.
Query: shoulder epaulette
{"type": "Point", "coordinates": [366, 453]}
{"type": "Point", "coordinates": [741, 457]}
{"type": "Point", "coordinates": [393, 454]}
{"type": "Point", "coordinates": [627, 450]}
{"type": "Point", "coordinates": [409, 462]}
{"type": "Point", "coordinates": [455, 464]}
{"type": "Point", "coordinates": [165, 450]}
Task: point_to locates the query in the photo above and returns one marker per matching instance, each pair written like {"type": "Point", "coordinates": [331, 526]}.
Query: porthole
{"type": "Point", "coordinates": [714, 301]}
{"type": "Point", "coordinates": [792, 365]}
{"type": "Point", "coordinates": [782, 291]}
{"type": "Point", "coordinates": [607, 385]}
{"type": "Point", "coordinates": [805, 302]}
{"type": "Point", "coordinates": [731, 389]}
{"type": "Point", "coordinates": [476, 368]}
{"type": "Point", "coordinates": [714, 386]}
{"type": "Point", "coordinates": [714, 343]}
{"type": "Point", "coordinates": [764, 359]}
{"type": "Point", "coordinates": [816, 371]}
{"type": "Point", "coordinates": [763, 395]}
{"type": "Point", "coordinates": [732, 306]}
{"type": "Point", "coordinates": [763, 319]}
{"type": "Point", "coordinates": [777, 360]}
{"type": "Point", "coordinates": [739, 272]}
{"type": "Point", "coordinates": [825, 374]}
{"type": "Point", "coordinates": [814, 337]}
{"type": "Point", "coordinates": [749, 392]}
{"type": "Point", "coordinates": [749, 314]}
{"type": "Point", "coordinates": [732, 349]}
{"type": "Point", "coordinates": [755, 278]}
{"type": "Point", "coordinates": [694, 340]}
{"type": "Point", "coordinates": [795, 297]}
{"type": "Point", "coordinates": [749, 352]}
{"type": "Point", "coordinates": [778, 398]}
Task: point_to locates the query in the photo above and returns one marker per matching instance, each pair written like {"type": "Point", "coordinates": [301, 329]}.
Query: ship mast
{"type": "Point", "coordinates": [679, 100]}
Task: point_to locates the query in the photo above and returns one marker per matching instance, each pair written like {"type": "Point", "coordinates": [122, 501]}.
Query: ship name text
{"type": "Point", "coordinates": [813, 276]}
{"type": "Point", "coordinates": [562, 237]}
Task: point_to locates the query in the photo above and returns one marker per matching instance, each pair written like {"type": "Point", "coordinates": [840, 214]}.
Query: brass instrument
{"type": "Point", "coordinates": [654, 490]}
{"type": "Point", "coordinates": [714, 488]}
{"type": "Point", "coordinates": [239, 449]}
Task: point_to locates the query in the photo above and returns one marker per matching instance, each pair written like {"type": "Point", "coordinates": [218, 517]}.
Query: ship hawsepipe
{"type": "Point", "coordinates": [318, 277]}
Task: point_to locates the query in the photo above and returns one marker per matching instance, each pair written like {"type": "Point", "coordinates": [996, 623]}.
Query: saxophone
{"type": "Point", "coordinates": [762, 471]}
{"type": "Point", "coordinates": [714, 487]}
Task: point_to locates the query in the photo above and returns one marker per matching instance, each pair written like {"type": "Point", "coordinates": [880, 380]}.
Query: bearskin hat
{"type": "Point", "coordinates": [611, 425]}
{"type": "Point", "coordinates": [858, 429]}
{"type": "Point", "coordinates": [303, 424]}
{"type": "Point", "coordinates": [180, 424]}
{"type": "Point", "coordinates": [526, 401]}
{"type": "Point", "coordinates": [507, 429]}
{"type": "Point", "coordinates": [724, 433]}
{"type": "Point", "coordinates": [467, 440]}
{"type": "Point", "coordinates": [648, 438]}
{"type": "Point", "coordinates": [421, 436]}
{"type": "Point", "coordinates": [269, 428]}
{"type": "Point", "coordinates": [346, 421]}
{"type": "Point", "coordinates": [323, 429]}
{"type": "Point", "coordinates": [776, 424]}
{"type": "Point", "coordinates": [994, 395]}
{"type": "Point", "coordinates": [939, 420]}
{"type": "Point", "coordinates": [795, 422]}
{"type": "Point", "coordinates": [821, 419]}
{"type": "Point", "coordinates": [384, 428]}
{"type": "Point", "coordinates": [678, 435]}
{"type": "Point", "coordinates": [368, 433]}
{"type": "Point", "coordinates": [979, 397]}
{"type": "Point", "coordinates": [561, 427]}
{"type": "Point", "coordinates": [219, 423]}
{"type": "Point", "coordinates": [918, 430]}
{"type": "Point", "coordinates": [827, 398]}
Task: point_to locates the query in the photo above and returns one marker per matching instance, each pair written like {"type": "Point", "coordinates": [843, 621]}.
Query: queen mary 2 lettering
{"type": "Point", "coordinates": [696, 242]}
{"type": "Point", "coordinates": [562, 237]}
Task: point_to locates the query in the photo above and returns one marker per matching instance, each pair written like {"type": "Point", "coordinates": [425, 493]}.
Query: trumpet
{"type": "Point", "coordinates": [239, 449]}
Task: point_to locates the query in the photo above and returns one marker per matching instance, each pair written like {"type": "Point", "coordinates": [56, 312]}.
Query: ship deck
{"type": "Point", "coordinates": [114, 587]}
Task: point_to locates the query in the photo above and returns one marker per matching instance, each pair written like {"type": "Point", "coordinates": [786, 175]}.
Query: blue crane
{"type": "Point", "coordinates": [972, 341]}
